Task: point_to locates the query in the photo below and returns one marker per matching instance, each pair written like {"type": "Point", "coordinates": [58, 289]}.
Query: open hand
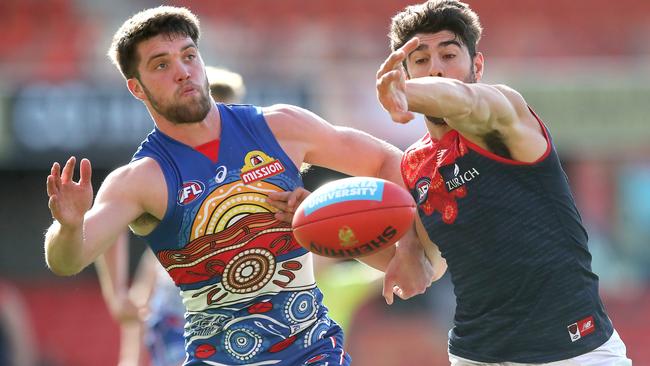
{"type": "Point", "coordinates": [69, 200]}
{"type": "Point", "coordinates": [409, 273]}
{"type": "Point", "coordinates": [391, 83]}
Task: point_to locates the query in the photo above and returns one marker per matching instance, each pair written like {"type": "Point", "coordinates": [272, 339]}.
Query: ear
{"type": "Point", "coordinates": [136, 89]}
{"type": "Point", "coordinates": [478, 66]}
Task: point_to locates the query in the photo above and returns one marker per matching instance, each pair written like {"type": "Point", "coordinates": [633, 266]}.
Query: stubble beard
{"type": "Point", "coordinates": [471, 78]}
{"type": "Point", "coordinates": [193, 111]}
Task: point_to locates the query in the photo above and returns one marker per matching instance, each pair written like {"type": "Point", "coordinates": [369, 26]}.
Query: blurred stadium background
{"type": "Point", "coordinates": [584, 66]}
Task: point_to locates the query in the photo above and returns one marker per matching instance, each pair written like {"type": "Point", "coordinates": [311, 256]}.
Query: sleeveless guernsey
{"type": "Point", "coordinates": [515, 248]}
{"type": "Point", "coordinates": [247, 285]}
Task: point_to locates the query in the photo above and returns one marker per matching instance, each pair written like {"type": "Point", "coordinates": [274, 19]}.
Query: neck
{"type": "Point", "coordinates": [192, 134]}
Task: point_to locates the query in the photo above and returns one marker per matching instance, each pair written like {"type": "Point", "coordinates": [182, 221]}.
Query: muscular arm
{"type": "Point", "coordinates": [488, 115]}
{"type": "Point", "coordinates": [308, 138]}
{"type": "Point", "coordinates": [79, 235]}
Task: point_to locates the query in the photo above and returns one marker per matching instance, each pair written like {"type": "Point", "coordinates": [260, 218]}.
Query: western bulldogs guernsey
{"type": "Point", "coordinates": [515, 248]}
{"type": "Point", "coordinates": [247, 285]}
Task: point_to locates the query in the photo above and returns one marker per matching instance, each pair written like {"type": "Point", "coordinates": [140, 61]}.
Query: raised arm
{"type": "Point", "coordinates": [80, 233]}
{"type": "Point", "coordinates": [491, 116]}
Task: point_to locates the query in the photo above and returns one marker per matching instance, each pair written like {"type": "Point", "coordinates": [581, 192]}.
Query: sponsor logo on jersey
{"type": "Point", "coordinates": [190, 191]}
{"type": "Point", "coordinates": [222, 173]}
{"type": "Point", "coordinates": [258, 166]}
{"type": "Point", "coordinates": [455, 177]}
{"type": "Point", "coordinates": [581, 328]}
{"type": "Point", "coordinates": [422, 189]}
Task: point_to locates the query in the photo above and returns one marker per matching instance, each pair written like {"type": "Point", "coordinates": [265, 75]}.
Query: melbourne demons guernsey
{"type": "Point", "coordinates": [247, 285]}
{"type": "Point", "coordinates": [515, 248]}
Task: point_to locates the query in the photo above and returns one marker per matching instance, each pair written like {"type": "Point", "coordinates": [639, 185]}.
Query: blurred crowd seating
{"type": "Point", "coordinates": [53, 39]}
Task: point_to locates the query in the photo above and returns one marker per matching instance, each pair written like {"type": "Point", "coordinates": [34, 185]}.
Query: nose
{"type": "Point", "coordinates": [436, 69]}
{"type": "Point", "coordinates": [182, 72]}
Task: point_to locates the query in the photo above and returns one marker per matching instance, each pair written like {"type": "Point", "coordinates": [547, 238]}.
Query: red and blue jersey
{"type": "Point", "coordinates": [247, 285]}
{"type": "Point", "coordinates": [516, 250]}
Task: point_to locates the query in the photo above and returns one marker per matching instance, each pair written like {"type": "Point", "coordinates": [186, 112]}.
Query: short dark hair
{"type": "Point", "coordinates": [147, 24]}
{"type": "Point", "coordinates": [434, 16]}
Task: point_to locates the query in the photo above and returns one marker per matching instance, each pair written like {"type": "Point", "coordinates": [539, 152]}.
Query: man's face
{"type": "Point", "coordinates": [442, 54]}
{"type": "Point", "coordinates": [172, 76]}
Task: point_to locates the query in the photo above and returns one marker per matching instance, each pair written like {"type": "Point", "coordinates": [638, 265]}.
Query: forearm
{"type": "Point", "coordinates": [64, 249]}
{"type": "Point", "coordinates": [380, 260]}
{"type": "Point", "coordinates": [390, 167]}
{"type": "Point", "coordinates": [440, 97]}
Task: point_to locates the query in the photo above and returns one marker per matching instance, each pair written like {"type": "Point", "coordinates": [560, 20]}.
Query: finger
{"type": "Point", "coordinates": [388, 291]}
{"type": "Point", "coordinates": [68, 170]}
{"type": "Point", "coordinates": [85, 172]}
{"type": "Point", "coordinates": [386, 83]}
{"type": "Point", "coordinates": [51, 186]}
{"type": "Point", "coordinates": [396, 58]}
{"type": "Point", "coordinates": [393, 61]}
{"type": "Point", "coordinates": [410, 46]}
{"type": "Point", "coordinates": [279, 196]}
{"type": "Point", "coordinates": [402, 117]}
{"type": "Point", "coordinates": [52, 205]}
{"type": "Point", "coordinates": [399, 292]}
{"type": "Point", "coordinates": [56, 173]}
{"type": "Point", "coordinates": [279, 205]}
{"type": "Point", "coordinates": [284, 216]}
{"type": "Point", "coordinates": [296, 198]}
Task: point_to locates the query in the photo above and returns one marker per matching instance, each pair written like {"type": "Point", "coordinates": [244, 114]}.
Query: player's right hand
{"type": "Point", "coordinates": [391, 83]}
{"type": "Point", "coordinates": [69, 200]}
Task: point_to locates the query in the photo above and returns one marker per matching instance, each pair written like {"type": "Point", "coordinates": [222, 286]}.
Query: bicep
{"type": "Point", "coordinates": [308, 138]}
{"type": "Point", "coordinates": [490, 108]}
{"type": "Point", "coordinates": [350, 151]}
{"type": "Point", "coordinates": [116, 205]}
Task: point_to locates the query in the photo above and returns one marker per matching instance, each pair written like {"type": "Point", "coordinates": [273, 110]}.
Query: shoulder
{"type": "Point", "coordinates": [140, 181]}
{"type": "Point", "coordinates": [135, 177]}
{"type": "Point", "coordinates": [289, 120]}
{"type": "Point", "coordinates": [515, 99]}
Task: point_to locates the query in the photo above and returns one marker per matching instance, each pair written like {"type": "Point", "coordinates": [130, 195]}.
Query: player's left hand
{"type": "Point", "coordinates": [287, 202]}
{"type": "Point", "coordinates": [409, 273]}
{"type": "Point", "coordinates": [391, 83]}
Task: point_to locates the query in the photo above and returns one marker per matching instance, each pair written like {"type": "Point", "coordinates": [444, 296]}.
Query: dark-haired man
{"type": "Point", "coordinates": [494, 204]}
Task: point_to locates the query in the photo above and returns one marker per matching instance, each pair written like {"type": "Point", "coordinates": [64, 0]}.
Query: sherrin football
{"type": "Point", "coordinates": [353, 217]}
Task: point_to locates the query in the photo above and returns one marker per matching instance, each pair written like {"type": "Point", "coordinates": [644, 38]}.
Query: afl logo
{"type": "Point", "coordinates": [422, 189]}
{"type": "Point", "coordinates": [189, 192]}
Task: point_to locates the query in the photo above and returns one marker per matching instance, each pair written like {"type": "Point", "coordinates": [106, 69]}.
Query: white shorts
{"type": "Point", "coordinates": [611, 353]}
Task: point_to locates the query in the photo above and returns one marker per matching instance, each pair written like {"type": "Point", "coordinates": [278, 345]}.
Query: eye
{"type": "Point", "coordinates": [190, 56]}
{"type": "Point", "coordinates": [161, 66]}
{"type": "Point", "coordinates": [422, 60]}
{"type": "Point", "coordinates": [449, 56]}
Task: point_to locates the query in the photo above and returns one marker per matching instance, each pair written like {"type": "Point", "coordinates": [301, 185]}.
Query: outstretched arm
{"type": "Point", "coordinates": [307, 137]}
{"type": "Point", "coordinates": [480, 112]}
{"type": "Point", "coordinates": [80, 233]}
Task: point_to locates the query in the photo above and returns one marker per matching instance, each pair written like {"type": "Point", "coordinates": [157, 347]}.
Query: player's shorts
{"type": "Point", "coordinates": [610, 353]}
{"type": "Point", "coordinates": [328, 351]}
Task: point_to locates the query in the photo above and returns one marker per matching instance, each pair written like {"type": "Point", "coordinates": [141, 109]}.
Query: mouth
{"type": "Point", "coordinates": [188, 90]}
